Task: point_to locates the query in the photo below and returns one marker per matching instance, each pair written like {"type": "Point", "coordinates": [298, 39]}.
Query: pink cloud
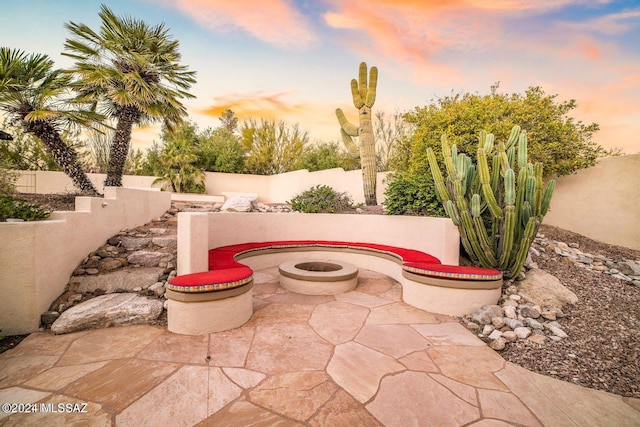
{"type": "Point", "coordinates": [276, 22]}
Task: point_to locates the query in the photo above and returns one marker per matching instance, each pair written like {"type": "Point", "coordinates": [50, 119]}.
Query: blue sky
{"type": "Point", "coordinates": [293, 60]}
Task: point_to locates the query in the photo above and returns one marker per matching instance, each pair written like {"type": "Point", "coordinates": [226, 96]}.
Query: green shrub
{"type": "Point", "coordinates": [412, 195]}
{"type": "Point", "coordinates": [321, 198]}
{"type": "Point", "coordinates": [11, 207]}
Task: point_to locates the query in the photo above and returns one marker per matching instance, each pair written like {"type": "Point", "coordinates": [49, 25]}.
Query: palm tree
{"type": "Point", "coordinates": [131, 71]}
{"type": "Point", "coordinates": [37, 97]}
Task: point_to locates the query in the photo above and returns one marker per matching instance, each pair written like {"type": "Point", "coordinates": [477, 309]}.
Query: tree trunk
{"type": "Point", "coordinates": [120, 146]}
{"type": "Point", "coordinates": [64, 156]}
{"type": "Point", "coordinates": [367, 147]}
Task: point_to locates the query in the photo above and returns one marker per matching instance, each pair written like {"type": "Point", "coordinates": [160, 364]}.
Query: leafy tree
{"type": "Point", "coordinates": [272, 147]}
{"type": "Point", "coordinates": [390, 132]}
{"type": "Point", "coordinates": [177, 161]}
{"type": "Point", "coordinates": [327, 155]}
{"type": "Point", "coordinates": [36, 97]}
{"type": "Point", "coordinates": [555, 139]}
{"type": "Point", "coordinates": [132, 70]}
{"type": "Point", "coordinates": [219, 150]}
{"type": "Point", "coordinates": [229, 121]}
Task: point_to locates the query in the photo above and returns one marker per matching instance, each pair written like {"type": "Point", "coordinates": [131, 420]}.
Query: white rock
{"type": "Point", "coordinates": [522, 332]}
{"type": "Point", "coordinates": [106, 311]}
{"type": "Point", "coordinates": [239, 203]}
{"type": "Point", "coordinates": [487, 329]}
{"type": "Point", "coordinates": [495, 334]}
{"type": "Point", "coordinates": [556, 331]}
{"type": "Point", "coordinates": [485, 313]}
{"type": "Point", "coordinates": [510, 312]}
{"type": "Point", "coordinates": [498, 344]}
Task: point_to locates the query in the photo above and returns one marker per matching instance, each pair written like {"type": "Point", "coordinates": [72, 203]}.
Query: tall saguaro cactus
{"type": "Point", "coordinates": [364, 95]}
{"type": "Point", "coordinates": [499, 208]}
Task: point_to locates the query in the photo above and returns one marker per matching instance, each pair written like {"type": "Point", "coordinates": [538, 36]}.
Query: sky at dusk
{"type": "Point", "coordinates": [293, 60]}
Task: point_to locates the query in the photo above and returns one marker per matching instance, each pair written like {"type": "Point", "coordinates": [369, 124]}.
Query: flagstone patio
{"type": "Point", "coordinates": [363, 358]}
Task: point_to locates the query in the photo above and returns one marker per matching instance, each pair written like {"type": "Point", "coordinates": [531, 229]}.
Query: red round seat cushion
{"type": "Point", "coordinates": [454, 272]}
{"type": "Point", "coordinates": [209, 281]}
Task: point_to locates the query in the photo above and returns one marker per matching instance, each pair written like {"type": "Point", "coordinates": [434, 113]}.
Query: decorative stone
{"type": "Point", "coordinates": [528, 311]}
{"type": "Point", "coordinates": [498, 344]}
{"type": "Point", "coordinates": [92, 271]}
{"type": "Point", "coordinates": [510, 312]}
{"type": "Point", "coordinates": [510, 336]}
{"type": "Point", "coordinates": [126, 279]}
{"type": "Point", "coordinates": [545, 290]}
{"type": "Point", "coordinates": [532, 323]}
{"type": "Point", "coordinates": [239, 203]}
{"type": "Point", "coordinates": [538, 339]}
{"type": "Point", "coordinates": [497, 322]}
{"type": "Point", "coordinates": [513, 323]}
{"type": "Point", "coordinates": [106, 311]}
{"type": "Point", "coordinates": [473, 326]}
{"type": "Point", "coordinates": [488, 329]}
{"type": "Point", "coordinates": [556, 331]}
{"type": "Point", "coordinates": [135, 243]}
{"type": "Point", "coordinates": [48, 317]}
{"type": "Point", "coordinates": [110, 264]}
{"type": "Point", "coordinates": [495, 334]}
{"type": "Point", "coordinates": [549, 315]}
{"type": "Point", "coordinates": [485, 313]}
{"type": "Point", "coordinates": [522, 332]}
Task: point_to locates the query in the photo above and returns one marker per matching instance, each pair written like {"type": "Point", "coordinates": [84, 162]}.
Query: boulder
{"type": "Point", "coordinates": [239, 203]}
{"type": "Point", "coordinates": [116, 280]}
{"type": "Point", "coordinates": [545, 290]}
{"type": "Point", "coordinates": [165, 241]}
{"type": "Point", "coordinates": [106, 311]}
{"type": "Point", "coordinates": [135, 243]}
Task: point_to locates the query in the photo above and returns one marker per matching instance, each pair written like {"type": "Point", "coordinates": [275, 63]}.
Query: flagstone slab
{"type": "Point", "coordinates": [230, 348]}
{"type": "Point", "coordinates": [43, 344]}
{"type": "Point", "coordinates": [19, 395]}
{"type": "Point", "coordinates": [57, 378]}
{"type": "Point", "coordinates": [463, 391]}
{"type": "Point", "coordinates": [360, 298]}
{"type": "Point", "coordinates": [170, 347]}
{"type": "Point", "coordinates": [281, 313]}
{"type": "Point", "coordinates": [359, 369]}
{"type": "Point", "coordinates": [415, 399]}
{"type": "Point", "coordinates": [338, 322]}
{"type": "Point", "coordinates": [108, 344]}
{"type": "Point", "coordinates": [342, 410]}
{"type": "Point", "coordinates": [245, 378]}
{"type": "Point", "coordinates": [297, 395]}
{"type": "Point", "coordinates": [556, 402]}
{"type": "Point", "coordinates": [17, 370]}
{"type": "Point", "coordinates": [94, 415]}
{"type": "Point", "coordinates": [399, 314]}
{"type": "Point", "coordinates": [505, 407]}
{"type": "Point", "coordinates": [448, 334]}
{"type": "Point", "coordinates": [373, 283]}
{"type": "Point", "coordinates": [393, 340]}
{"type": "Point", "coordinates": [287, 347]}
{"type": "Point", "coordinates": [491, 423]}
{"type": "Point", "coordinates": [222, 390]}
{"type": "Point", "coordinates": [474, 366]}
{"type": "Point", "coordinates": [394, 294]}
{"type": "Point", "coordinates": [294, 298]}
{"type": "Point", "coordinates": [419, 361]}
{"type": "Point", "coordinates": [121, 382]}
{"type": "Point", "coordinates": [246, 414]}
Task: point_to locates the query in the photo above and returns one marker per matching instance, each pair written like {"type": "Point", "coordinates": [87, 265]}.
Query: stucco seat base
{"type": "Point", "coordinates": [207, 312]}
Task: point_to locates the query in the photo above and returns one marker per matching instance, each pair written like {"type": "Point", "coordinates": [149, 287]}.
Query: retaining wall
{"type": "Point", "coordinates": [37, 258]}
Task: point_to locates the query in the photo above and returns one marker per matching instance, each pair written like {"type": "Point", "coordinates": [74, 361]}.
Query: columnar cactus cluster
{"type": "Point", "coordinates": [364, 95]}
{"type": "Point", "coordinates": [498, 208]}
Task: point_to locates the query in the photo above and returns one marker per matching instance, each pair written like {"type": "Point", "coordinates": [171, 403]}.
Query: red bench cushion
{"type": "Point", "coordinates": [208, 281]}
{"type": "Point", "coordinates": [455, 272]}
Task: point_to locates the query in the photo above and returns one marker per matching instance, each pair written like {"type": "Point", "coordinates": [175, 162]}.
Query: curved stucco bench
{"type": "Point", "coordinates": [218, 299]}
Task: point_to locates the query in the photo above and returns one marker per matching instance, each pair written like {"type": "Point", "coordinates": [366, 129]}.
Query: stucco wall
{"type": "Point", "coordinates": [198, 232]}
{"type": "Point", "coordinates": [37, 258]}
{"type": "Point", "coordinates": [602, 202]}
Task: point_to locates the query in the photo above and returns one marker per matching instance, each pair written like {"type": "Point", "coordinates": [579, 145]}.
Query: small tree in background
{"type": "Point", "coordinates": [272, 147]}
{"type": "Point", "coordinates": [177, 161]}
{"type": "Point", "coordinates": [327, 155]}
{"type": "Point", "coordinates": [219, 150]}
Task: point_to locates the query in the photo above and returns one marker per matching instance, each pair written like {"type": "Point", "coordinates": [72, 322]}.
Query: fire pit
{"type": "Point", "coordinates": [312, 277]}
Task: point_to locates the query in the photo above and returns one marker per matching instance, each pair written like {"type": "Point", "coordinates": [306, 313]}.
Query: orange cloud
{"type": "Point", "coordinates": [257, 104]}
{"type": "Point", "coordinates": [275, 22]}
